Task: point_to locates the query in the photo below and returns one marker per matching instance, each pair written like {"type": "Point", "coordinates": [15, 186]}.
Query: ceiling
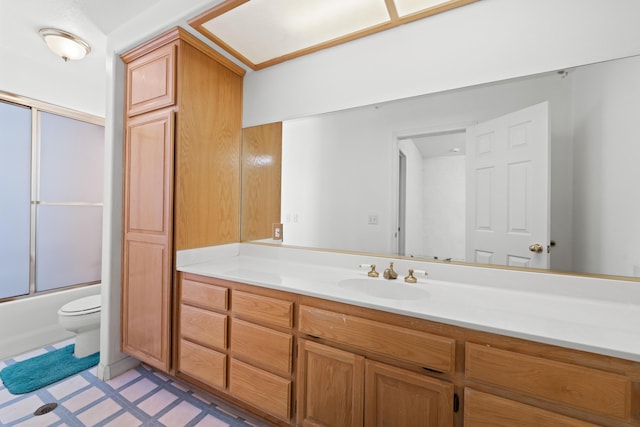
{"type": "Point", "coordinates": [261, 33]}
{"type": "Point", "coordinates": [263, 25]}
{"type": "Point", "coordinates": [91, 20]}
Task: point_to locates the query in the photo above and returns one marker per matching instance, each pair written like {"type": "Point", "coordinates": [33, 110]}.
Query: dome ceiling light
{"type": "Point", "coordinates": [261, 33]}
{"type": "Point", "coordinates": [66, 45]}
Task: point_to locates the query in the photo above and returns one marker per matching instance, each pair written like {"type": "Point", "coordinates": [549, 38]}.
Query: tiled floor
{"type": "Point", "coordinates": [139, 397]}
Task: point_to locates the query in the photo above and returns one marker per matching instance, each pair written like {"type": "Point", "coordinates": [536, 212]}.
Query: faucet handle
{"type": "Point", "coordinates": [411, 278]}
{"type": "Point", "coordinates": [373, 272]}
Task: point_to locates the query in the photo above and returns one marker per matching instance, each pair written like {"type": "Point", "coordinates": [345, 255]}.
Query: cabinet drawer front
{"type": "Point", "coordinates": [261, 389]}
{"type": "Point", "coordinates": [584, 388]}
{"type": "Point", "coordinates": [205, 295]}
{"type": "Point", "coordinates": [151, 81]}
{"type": "Point", "coordinates": [427, 350]}
{"type": "Point", "coordinates": [202, 363]}
{"type": "Point", "coordinates": [482, 409]}
{"type": "Point", "coordinates": [263, 347]}
{"type": "Point", "coordinates": [204, 327]}
{"type": "Point", "coordinates": [264, 309]}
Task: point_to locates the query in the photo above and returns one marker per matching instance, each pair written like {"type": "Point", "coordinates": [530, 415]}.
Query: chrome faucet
{"type": "Point", "coordinates": [389, 274]}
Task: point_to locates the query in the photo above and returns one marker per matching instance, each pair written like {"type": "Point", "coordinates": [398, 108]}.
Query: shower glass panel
{"type": "Point", "coordinates": [68, 248]}
{"type": "Point", "coordinates": [15, 196]}
{"type": "Point", "coordinates": [69, 202]}
{"type": "Point", "coordinates": [71, 160]}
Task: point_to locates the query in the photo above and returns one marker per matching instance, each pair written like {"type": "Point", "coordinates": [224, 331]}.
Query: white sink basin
{"type": "Point", "coordinates": [389, 289]}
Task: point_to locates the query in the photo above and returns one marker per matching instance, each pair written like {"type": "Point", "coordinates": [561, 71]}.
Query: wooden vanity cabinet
{"type": "Point", "coordinates": [357, 366]}
{"type": "Point", "coordinates": [181, 188]}
{"type": "Point", "coordinates": [347, 388]}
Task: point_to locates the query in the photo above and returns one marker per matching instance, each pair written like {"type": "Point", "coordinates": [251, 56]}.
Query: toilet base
{"type": "Point", "coordinates": [87, 342]}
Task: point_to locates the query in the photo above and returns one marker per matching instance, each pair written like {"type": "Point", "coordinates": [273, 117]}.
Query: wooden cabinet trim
{"type": "Point", "coordinates": [427, 350]}
{"type": "Point", "coordinates": [596, 391]}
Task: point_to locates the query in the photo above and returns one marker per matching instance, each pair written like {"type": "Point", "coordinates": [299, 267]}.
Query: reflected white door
{"type": "Point", "coordinates": [508, 189]}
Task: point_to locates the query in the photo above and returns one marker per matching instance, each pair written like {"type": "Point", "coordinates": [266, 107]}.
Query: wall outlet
{"type": "Point", "coordinates": [276, 231]}
{"type": "Point", "coordinates": [373, 219]}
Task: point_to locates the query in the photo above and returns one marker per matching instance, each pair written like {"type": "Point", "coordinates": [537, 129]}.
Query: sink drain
{"type": "Point", "coordinates": [45, 409]}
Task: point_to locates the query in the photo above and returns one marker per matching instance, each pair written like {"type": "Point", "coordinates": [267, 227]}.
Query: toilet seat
{"type": "Point", "coordinates": [82, 306]}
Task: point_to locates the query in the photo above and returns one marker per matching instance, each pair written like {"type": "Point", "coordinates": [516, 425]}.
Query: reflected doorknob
{"type": "Point", "coordinates": [536, 247]}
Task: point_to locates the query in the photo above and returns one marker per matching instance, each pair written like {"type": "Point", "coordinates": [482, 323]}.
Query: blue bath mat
{"type": "Point", "coordinates": [39, 371]}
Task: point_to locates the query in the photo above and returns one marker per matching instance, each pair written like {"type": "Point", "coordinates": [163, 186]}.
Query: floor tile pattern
{"type": "Point", "coordinates": [139, 397]}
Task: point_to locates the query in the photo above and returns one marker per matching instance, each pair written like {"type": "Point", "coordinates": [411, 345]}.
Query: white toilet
{"type": "Point", "coordinates": [82, 316]}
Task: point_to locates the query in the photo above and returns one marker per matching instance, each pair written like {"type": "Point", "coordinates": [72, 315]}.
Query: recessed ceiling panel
{"type": "Point", "coordinates": [261, 30]}
{"type": "Point", "coordinates": [408, 7]}
{"type": "Point", "coordinates": [265, 32]}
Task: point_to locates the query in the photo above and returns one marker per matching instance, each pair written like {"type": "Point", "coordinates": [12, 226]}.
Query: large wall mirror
{"type": "Point", "coordinates": [538, 172]}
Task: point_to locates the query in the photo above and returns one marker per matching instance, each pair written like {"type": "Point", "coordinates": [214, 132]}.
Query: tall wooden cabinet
{"type": "Point", "coordinates": [181, 176]}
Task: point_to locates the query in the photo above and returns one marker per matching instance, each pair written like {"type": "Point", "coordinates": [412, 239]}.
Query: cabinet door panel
{"type": "Point", "coordinates": [151, 81]}
{"type": "Point", "coordinates": [146, 305]}
{"type": "Point", "coordinates": [396, 397]}
{"type": "Point", "coordinates": [330, 386]}
{"type": "Point", "coordinates": [149, 173]}
{"type": "Point", "coordinates": [482, 409]}
{"type": "Point", "coordinates": [147, 247]}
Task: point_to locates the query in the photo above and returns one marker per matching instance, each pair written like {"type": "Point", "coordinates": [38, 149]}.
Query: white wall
{"type": "Point", "coordinates": [444, 207]}
{"type": "Point", "coordinates": [327, 192]}
{"type": "Point", "coordinates": [486, 41]}
{"type": "Point", "coordinates": [607, 172]}
{"type": "Point", "coordinates": [40, 75]}
{"type": "Point", "coordinates": [414, 207]}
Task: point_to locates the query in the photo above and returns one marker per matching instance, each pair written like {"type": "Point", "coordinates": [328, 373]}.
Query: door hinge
{"type": "Point", "coordinates": [456, 402]}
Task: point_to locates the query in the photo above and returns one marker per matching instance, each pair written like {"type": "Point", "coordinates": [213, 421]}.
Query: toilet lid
{"type": "Point", "coordinates": [85, 305]}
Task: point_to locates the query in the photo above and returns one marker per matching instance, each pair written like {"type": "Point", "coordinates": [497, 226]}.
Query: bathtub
{"type": "Point", "coordinates": [30, 323]}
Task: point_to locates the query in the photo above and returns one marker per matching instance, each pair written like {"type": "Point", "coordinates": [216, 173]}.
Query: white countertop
{"type": "Point", "coordinates": [591, 314]}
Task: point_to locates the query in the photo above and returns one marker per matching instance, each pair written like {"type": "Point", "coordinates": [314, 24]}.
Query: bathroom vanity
{"type": "Point", "coordinates": [285, 334]}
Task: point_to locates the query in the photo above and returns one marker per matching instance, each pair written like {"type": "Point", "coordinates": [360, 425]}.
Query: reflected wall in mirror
{"type": "Point", "coordinates": [341, 186]}
{"type": "Point", "coordinates": [261, 165]}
